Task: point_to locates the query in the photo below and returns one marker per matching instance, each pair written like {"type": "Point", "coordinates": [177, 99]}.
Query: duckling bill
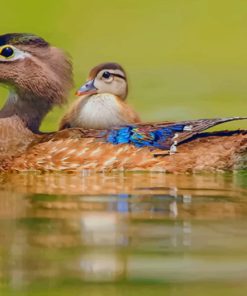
{"type": "Point", "coordinates": [102, 100]}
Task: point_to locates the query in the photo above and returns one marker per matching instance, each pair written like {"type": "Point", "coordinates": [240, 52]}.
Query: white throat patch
{"type": "Point", "coordinates": [100, 111]}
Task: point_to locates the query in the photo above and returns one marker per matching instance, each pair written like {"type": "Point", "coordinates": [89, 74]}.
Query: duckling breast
{"type": "Point", "coordinates": [100, 111]}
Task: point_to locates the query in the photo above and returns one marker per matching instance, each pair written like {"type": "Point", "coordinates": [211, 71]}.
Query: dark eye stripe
{"type": "Point", "coordinates": [118, 75]}
{"type": "Point", "coordinates": [107, 75]}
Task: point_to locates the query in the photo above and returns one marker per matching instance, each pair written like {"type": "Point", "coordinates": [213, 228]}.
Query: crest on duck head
{"type": "Point", "coordinates": [22, 39]}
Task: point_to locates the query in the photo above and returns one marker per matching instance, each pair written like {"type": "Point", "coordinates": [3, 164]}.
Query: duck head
{"type": "Point", "coordinates": [39, 76]}
{"type": "Point", "coordinates": [106, 78]}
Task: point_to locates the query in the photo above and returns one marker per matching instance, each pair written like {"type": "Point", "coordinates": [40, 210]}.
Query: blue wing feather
{"type": "Point", "coordinates": [158, 135]}
{"type": "Point", "coordinates": [140, 137]}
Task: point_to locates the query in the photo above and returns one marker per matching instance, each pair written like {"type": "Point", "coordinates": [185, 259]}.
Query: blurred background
{"type": "Point", "coordinates": [132, 233]}
{"type": "Point", "coordinates": [185, 59]}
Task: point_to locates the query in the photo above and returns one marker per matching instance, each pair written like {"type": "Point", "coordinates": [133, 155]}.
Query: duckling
{"type": "Point", "coordinates": [102, 102]}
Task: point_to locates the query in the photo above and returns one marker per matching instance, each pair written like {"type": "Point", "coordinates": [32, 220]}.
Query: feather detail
{"type": "Point", "coordinates": [204, 152]}
{"type": "Point", "coordinates": [161, 135]}
{"type": "Point", "coordinates": [137, 147]}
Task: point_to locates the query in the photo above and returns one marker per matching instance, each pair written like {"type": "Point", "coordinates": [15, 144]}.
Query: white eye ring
{"type": "Point", "coordinates": [108, 80]}
{"type": "Point", "coordinates": [17, 54]}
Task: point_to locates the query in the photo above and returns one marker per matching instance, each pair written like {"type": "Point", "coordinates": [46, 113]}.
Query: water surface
{"type": "Point", "coordinates": [123, 234]}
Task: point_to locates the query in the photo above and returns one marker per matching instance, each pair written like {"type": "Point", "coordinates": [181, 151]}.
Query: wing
{"type": "Point", "coordinates": [161, 135]}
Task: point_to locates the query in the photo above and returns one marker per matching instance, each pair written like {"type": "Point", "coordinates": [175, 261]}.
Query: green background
{"type": "Point", "coordinates": [185, 58]}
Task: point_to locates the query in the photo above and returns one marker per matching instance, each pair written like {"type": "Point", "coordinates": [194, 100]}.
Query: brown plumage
{"type": "Point", "coordinates": [102, 102]}
{"type": "Point", "coordinates": [40, 77]}
{"type": "Point", "coordinates": [209, 152]}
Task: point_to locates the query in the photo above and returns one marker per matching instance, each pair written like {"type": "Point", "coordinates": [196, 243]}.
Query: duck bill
{"type": "Point", "coordinates": [87, 88]}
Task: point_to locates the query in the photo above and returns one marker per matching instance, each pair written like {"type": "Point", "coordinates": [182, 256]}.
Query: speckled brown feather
{"type": "Point", "coordinates": [211, 153]}
{"type": "Point", "coordinates": [77, 149]}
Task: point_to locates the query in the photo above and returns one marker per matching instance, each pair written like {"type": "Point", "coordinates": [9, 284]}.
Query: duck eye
{"type": "Point", "coordinates": [106, 75]}
{"type": "Point", "coordinates": [7, 52]}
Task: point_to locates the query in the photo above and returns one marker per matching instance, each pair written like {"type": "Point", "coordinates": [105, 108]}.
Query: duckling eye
{"type": "Point", "coordinates": [106, 75]}
{"type": "Point", "coordinates": [7, 52]}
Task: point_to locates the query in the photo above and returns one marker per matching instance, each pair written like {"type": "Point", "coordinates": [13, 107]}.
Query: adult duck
{"type": "Point", "coordinates": [39, 77]}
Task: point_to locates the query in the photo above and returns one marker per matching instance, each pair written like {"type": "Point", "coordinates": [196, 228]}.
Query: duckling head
{"type": "Point", "coordinates": [38, 74]}
{"type": "Point", "coordinates": [107, 78]}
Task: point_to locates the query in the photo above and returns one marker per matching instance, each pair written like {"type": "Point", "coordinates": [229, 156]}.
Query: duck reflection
{"type": "Point", "coordinates": [143, 232]}
{"type": "Point", "coordinates": [122, 183]}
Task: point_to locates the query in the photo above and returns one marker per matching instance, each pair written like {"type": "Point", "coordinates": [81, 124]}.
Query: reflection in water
{"type": "Point", "coordinates": [127, 228]}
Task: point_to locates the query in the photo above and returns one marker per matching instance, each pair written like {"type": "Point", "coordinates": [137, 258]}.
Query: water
{"type": "Point", "coordinates": [123, 234]}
